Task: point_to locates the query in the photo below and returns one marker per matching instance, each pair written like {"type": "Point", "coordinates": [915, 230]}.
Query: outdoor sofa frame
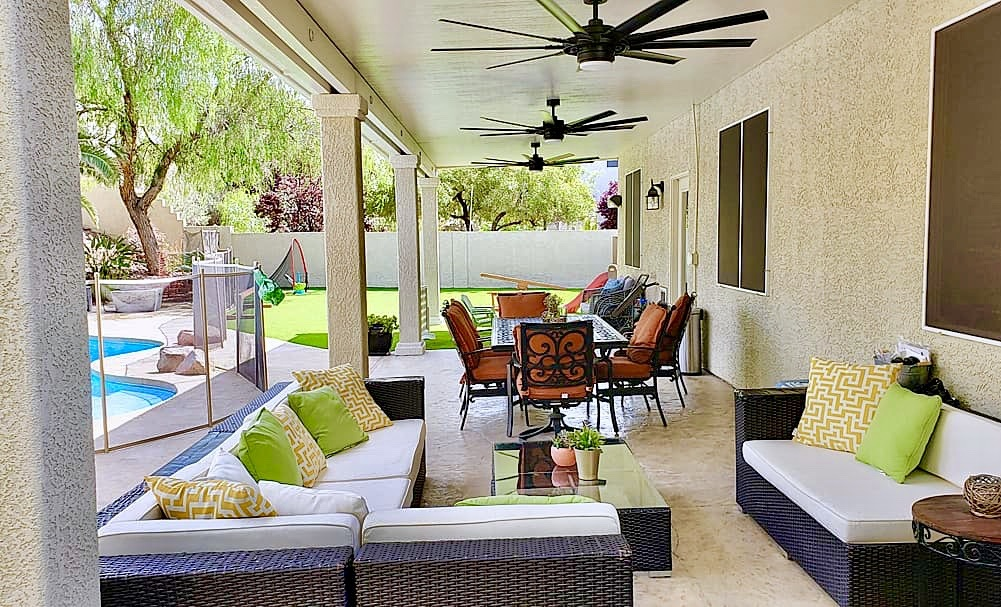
{"type": "Point", "coordinates": [855, 575]}
{"type": "Point", "coordinates": [489, 573]}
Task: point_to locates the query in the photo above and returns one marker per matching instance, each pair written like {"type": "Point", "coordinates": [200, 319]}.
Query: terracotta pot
{"type": "Point", "coordinates": [562, 456]}
{"type": "Point", "coordinates": [587, 464]}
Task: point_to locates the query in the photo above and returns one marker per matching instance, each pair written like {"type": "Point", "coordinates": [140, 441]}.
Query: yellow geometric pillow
{"type": "Point", "coordinates": [307, 452]}
{"type": "Point", "coordinates": [841, 401]}
{"type": "Point", "coordinates": [207, 499]}
{"type": "Point", "coordinates": [351, 387]}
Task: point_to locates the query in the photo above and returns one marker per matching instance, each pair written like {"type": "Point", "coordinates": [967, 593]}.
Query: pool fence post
{"type": "Point", "coordinates": [205, 345]}
{"type": "Point", "coordinates": [100, 361]}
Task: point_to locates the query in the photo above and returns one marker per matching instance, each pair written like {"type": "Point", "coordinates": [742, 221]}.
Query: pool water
{"type": "Point", "coordinates": [124, 396]}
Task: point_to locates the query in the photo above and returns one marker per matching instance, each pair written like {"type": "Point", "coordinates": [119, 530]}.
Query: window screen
{"type": "Point", "coordinates": [631, 203]}
{"type": "Point", "coordinates": [743, 203]}
{"type": "Point", "coordinates": [963, 291]}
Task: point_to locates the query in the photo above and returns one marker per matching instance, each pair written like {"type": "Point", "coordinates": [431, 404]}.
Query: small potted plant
{"type": "Point", "coordinates": [586, 443]}
{"type": "Point", "coordinates": [561, 451]}
{"type": "Point", "coordinates": [380, 333]}
{"type": "Point", "coordinates": [552, 312]}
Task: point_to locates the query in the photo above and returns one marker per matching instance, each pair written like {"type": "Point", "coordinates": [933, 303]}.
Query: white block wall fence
{"type": "Point", "coordinates": [563, 258]}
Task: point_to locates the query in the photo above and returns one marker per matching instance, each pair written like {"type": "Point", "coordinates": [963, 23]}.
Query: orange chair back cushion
{"type": "Point", "coordinates": [521, 305]}
{"type": "Point", "coordinates": [646, 334]}
{"type": "Point", "coordinates": [463, 332]}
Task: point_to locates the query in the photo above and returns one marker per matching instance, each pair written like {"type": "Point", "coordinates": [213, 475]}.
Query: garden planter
{"type": "Point", "coordinates": [379, 342]}
{"type": "Point", "coordinates": [587, 464]}
{"type": "Point", "coordinates": [562, 456]}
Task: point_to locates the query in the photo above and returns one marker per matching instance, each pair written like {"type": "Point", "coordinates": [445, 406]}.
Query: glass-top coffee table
{"type": "Point", "coordinates": [528, 469]}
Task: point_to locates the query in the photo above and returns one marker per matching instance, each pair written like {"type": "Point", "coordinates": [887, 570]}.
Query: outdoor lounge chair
{"type": "Point", "coordinates": [633, 370]}
{"type": "Point", "coordinates": [486, 370]}
{"type": "Point", "coordinates": [547, 381]}
{"type": "Point", "coordinates": [481, 315]}
{"type": "Point", "coordinates": [617, 307]}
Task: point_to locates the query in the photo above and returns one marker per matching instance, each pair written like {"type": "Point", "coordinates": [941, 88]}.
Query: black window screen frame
{"type": "Point", "coordinates": [742, 220]}
{"type": "Point", "coordinates": [963, 249]}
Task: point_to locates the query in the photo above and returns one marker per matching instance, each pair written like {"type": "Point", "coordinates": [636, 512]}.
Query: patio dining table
{"type": "Point", "coordinates": [605, 336]}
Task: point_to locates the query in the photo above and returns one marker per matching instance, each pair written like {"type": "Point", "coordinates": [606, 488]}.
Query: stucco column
{"type": "Point", "coordinates": [408, 243]}
{"type": "Point", "coordinates": [50, 540]}
{"type": "Point", "coordinates": [429, 245]}
{"type": "Point", "coordinates": [344, 227]}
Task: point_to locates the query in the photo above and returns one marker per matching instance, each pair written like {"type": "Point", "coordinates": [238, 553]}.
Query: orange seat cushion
{"type": "Point", "coordinates": [492, 367]}
{"type": "Point", "coordinates": [521, 305]}
{"type": "Point", "coordinates": [646, 334]}
{"type": "Point", "coordinates": [622, 368]}
{"type": "Point", "coordinates": [547, 393]}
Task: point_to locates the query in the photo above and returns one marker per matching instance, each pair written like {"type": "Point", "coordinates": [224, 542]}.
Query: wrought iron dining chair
{"type": "Point", "coordinates": [553, 368]}
{"type": "Point", "coordinates": [486, 370]}
{"type": "Point", "coordinates": [523, 304]}
{"type": "Point", "coordinates": [668, 355]}
{"type": "Point", "coordinates": [632, 371]}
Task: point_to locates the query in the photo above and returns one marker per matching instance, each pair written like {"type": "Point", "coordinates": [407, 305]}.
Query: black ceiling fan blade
{"type": "Point", "coordinates": [493, 67]}
{"type": "Point", "coordinates": [574, 161]}
{"type": "Point", "coordinates": [622, 127]}
{"type": "Point", "coordinates": [707, 43]}
{"type": "Point", "coordinates": [492, 130]}
{"type": "Point", "coordinates": [562, 16]}
{"type": "Point", "coordinates": [499, 164]}
{"type": "Point", "coordinates": [624, 121]}
{"type": "Point", "coordinates": [699, 26]}
{"type": "Point", "coordinates": [646, 16]}
{"type": "Point", "coordinates": [655, 57]}
{"type": "Point", "coordinates": [524, 126]}
{"type": "Point", "coordinates": [590, 119]}
{"type": "Point", "coordinates": [497, 29]}
{"type": "Point", "coordinates": [518, 134]}
{"type": "Point", "coordinates": [466, 49]}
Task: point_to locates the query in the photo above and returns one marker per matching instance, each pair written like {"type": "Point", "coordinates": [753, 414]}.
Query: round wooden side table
{"type": "Point", "coordinates": [944, 525]}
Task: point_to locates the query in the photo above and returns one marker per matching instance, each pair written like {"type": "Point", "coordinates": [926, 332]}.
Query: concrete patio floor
{"type": "Point", "coordinates": [721, 557]}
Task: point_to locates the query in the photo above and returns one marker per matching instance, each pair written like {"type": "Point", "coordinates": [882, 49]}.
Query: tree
{"type": "Point", "coordinates": [504, 198]}
{"type": "Point", "coordinates": [163, 92]}
{"type": "Point", "coordinates": [379, 191]}
{"type": "Point", "coordinates": [98, 164]}
{"type": "Point", "coordinates": [294, 203]}
{"type": "Point", "coordinates": [608, 216]}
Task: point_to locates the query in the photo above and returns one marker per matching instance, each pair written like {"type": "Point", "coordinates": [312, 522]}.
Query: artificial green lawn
{"type": "Point", "coordinates": [302, 319]}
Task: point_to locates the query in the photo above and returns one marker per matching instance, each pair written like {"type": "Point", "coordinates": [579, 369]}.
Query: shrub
{"type": "Point", "coordinates": [294, 203]}
{"type": "Point", "coordinates": [110, 257]}
{"type": "Point", "coordinates": [387, 323]}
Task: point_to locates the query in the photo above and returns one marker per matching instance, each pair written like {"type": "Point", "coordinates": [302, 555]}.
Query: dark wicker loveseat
{"type": "Point", "coordinates": [855, 575]}
{"type": "Point", "coordinates": [495, 573]}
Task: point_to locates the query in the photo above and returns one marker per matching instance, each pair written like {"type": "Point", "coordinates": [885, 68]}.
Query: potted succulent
{"type": "Point", "coordinates": [380, 333]}
{"type": "Point", "coordinates": [552, 312]}
{"type": "Point", "coordinates": [561, 451]}
{"type": "Point", "coordinates": [586, 443]}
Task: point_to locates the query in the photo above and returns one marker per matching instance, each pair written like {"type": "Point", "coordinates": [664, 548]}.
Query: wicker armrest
{"type": "Point", "coordinates": [313, 576]}
{"type": "Point", "coordinates": [767, 413]}
{"type": "Point", "coordinates": [399, 397]}
{"type": "Point", "coordinates": [594, 571]}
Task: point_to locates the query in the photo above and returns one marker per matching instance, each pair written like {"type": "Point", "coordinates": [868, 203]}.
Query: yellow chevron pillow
{"type": "Point", "coordinates": [841, 401]}
{"type": "Point", "coordinates": [351, 387]}
{"type": "Point", "coordinates": [208, 499]}
{"type": "Point", "coordinates": [307, 453]}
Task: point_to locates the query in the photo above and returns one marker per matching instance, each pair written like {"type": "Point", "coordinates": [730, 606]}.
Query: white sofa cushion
{"type": "Point", "coordinates": [228, 535]}
{"type": "Point", "coordinates": [962, 445]}
{"type": "Point", "coordinates": [855, 502]}
{"type": "Point", "coordinates": [379, 494]}
{"type": "Point", "coordinates": [490, 522]}
{"type": "Point", "coordinates": [389, 452]}
{"type": "Point", "coordinates": [290, 500]}
{"type": "Point", "coordinates": [228, 467]}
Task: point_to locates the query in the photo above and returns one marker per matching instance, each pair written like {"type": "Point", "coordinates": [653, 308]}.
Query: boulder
{"type": "Point", "coordinates": [171, 357]}
{"type": "Point", "coordinates": [193, 364]}
{"type": "Point", "coordinates": [187, 337]}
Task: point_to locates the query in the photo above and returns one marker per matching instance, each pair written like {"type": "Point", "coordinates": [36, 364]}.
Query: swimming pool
{"type": "Point", "coordinates": [124, 395]}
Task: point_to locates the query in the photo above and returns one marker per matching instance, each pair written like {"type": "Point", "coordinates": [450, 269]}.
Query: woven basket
{"type": "Point", "coordinates": [983, 493]}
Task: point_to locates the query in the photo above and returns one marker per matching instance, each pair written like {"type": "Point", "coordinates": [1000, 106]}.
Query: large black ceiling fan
{"type": "Point", "coordinates": [596, 45]}
{"type": "Point", "coordinates": [535, 162]}
{"type": "Point", "coordinates": [554, 129]}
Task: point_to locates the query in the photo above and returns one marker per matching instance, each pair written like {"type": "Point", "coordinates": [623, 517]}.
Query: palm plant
{"type": "Point", "coordinates": [95, 162]}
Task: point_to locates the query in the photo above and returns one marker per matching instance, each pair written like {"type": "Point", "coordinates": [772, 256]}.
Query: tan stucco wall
{"type": "Point", "coordinates": [848, 169]}
{"type": "Point", "coordinates": [114, 219]}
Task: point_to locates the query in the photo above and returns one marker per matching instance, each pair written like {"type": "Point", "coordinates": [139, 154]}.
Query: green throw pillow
{"type": "Point", "coordinates": [900, 431]}
{"type": "Point", "coordinates": [328, 419]}
{"type": "Point", "coordinates": [264, 449]}
{"type": "Point", "coordinates": [524, 500]}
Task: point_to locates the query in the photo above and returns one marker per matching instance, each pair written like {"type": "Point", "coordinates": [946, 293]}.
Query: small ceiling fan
{"type": "Point", "coordinates": [597, 44]}
{"type": "Point", "coordinates": [536, 162]}
{"type": "Point", "coordinates": [554, 129]}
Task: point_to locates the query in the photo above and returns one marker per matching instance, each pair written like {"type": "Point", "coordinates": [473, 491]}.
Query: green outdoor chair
{"type": "Point", "coordinates": [482, 315]}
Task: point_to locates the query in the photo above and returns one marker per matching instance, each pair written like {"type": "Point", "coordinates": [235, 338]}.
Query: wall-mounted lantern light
{"type": "Point", "coordinates": [655, 196]}
{"type": "Point", "coordinates": [615, 201]}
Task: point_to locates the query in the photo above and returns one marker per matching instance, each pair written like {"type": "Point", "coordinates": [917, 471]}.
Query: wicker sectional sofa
{"type": "Point", "coordinates": [399, 555]}
{"type": "Point", "coordinates": [844, 523]}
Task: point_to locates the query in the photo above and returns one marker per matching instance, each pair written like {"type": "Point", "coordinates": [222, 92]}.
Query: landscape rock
{"type": "Point", "coordinates": [193, 364]}
{"type": "Point", "coordinates": [171, 357]}
{"type": "Point", "coordinates": [187, 337]}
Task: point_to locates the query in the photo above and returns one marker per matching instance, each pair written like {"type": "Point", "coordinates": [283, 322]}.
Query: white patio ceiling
{"type": "Point", "coordinates": [433, 94]}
